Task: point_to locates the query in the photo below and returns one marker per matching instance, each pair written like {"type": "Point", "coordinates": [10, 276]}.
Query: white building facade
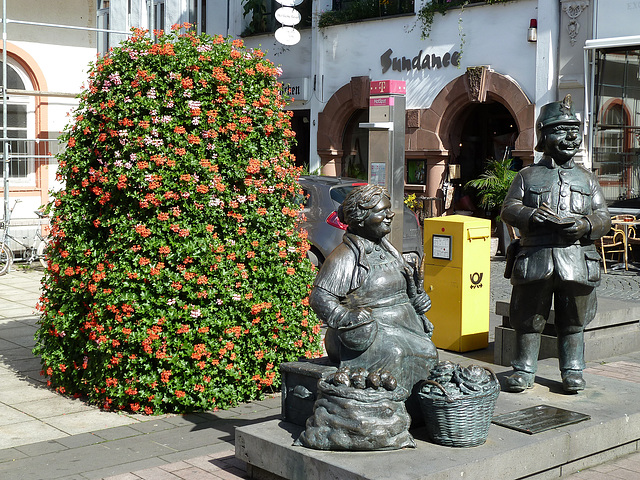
{"type": "Point", "coordinates": [474, 85]}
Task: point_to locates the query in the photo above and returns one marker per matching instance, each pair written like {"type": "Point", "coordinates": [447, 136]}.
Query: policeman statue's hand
{"type": "Point", "coordinates": [578, 229]}
{"type": "Point", "coordinates": [539, 216]}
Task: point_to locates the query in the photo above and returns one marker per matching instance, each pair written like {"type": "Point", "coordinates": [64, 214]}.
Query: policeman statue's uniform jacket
{"type": "Point", "coordinates": [569, 190]}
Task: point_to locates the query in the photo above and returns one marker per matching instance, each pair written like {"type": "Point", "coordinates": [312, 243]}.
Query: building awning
{"type": "Point", "coordinates": [612, 42]}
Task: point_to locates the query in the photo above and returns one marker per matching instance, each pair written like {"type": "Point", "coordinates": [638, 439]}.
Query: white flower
{"type": "Point", "coordinates": [236, 296]}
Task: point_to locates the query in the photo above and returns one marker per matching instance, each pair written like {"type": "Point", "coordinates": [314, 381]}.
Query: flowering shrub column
{"type": "Point", "coordinates": [177, 279]}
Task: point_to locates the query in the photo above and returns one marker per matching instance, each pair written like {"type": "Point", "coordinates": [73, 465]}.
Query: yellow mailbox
{"type": "Point", "coordinates": [456, 277]}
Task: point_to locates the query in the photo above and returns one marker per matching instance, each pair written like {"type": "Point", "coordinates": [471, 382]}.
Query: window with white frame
{"type": "Point", "coordinates": [103, 24]}
{"type": "Point", "coordinates": [20, 114]}
{"type": "Point", "coordinates": [158, 14]}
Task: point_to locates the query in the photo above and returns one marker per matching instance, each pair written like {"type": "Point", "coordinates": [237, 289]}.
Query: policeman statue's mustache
{"type": "Point", "coordinates": [560, 210]}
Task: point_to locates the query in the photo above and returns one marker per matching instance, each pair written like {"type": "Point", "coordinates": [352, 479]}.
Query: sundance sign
{"type": "Point", "coordinates": [419, 62]}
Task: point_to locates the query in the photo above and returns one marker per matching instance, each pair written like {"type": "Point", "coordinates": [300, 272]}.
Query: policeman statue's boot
{"type": "Point", "coordinates": [525, 363]}
{"type": "Point", "coordinates": [571, 359]}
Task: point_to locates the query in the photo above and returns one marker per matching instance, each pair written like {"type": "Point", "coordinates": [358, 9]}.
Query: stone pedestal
{"type": "Point", "coordinates": [300, 387]}
{"type": "Point", "coordinates": [614, 331]}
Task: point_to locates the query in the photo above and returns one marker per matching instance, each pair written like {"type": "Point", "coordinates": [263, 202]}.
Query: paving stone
{"type": "Point", "coordinates": [25, 433]}
{"type": "Point", "coordinates": [206, 462]}
{"type": "Point", "coordinates": [10, 415]}
{"type": "Point", "coordinates": [89, 421]}
{"type": "Point", "coordinates": [11, 454]}
{"type": "Point", "coordinates": [194, 473]}
{"type": "Point", "coordinates": [155, 473]}
{"type": "Point", "coordinates": [117, 433]}
{"type": "Point", "coordinates": [124, 476]}
{"type": "Point", "coordinates": [128, 468]}
{"type": "Point", "coordinates": [53, 406]}
{"type": "Point", "coordinates": [151, 426]}
{"type": "Point", "coordinates": [172, 467]}
{"type": "Point", "coordinates": [231, 474]}
{"type": "Point", "coordinates": [80, 440]}
{"type": "Point", "coordinates": [41, 448]}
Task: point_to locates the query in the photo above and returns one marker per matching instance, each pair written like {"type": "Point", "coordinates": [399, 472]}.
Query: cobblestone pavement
{"type": "Point", "coordinates": [620, 284]}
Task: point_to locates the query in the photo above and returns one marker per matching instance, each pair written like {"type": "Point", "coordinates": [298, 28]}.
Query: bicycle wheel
{"type": "Point", "coordinates": [6, 259]}
{"type": "Point", "coordinates": [41, 252]}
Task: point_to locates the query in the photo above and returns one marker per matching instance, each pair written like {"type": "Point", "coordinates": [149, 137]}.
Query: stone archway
{"type": "Point", "coordinates": [433, 133]}
{"type": "Point", "coordinates": [331, 122]}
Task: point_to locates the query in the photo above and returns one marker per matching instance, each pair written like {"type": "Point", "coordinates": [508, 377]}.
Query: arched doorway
{"type": "Point", "coordinates": [489, 132]}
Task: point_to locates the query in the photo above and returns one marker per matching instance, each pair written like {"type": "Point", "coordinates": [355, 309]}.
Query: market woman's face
{"type": "Point", "coordinates": [378, 223]}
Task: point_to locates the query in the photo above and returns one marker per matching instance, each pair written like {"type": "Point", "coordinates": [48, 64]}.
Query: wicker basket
{"type": "Point", "coordinates": [459, 422]}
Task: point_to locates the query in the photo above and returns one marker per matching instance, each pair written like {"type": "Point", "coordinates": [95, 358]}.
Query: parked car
{"type": "Point", "coordinates": [323, 196]}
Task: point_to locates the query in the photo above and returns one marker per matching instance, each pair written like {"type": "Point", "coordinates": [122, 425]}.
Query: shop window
{"type": "Point", "coordinates": [355, 146]}
{"type": "Point", "coordinates": [345, 11]}
{"type": "Point", "coordinates": [20, 122]}
{"type": "Point", "coordinates": [616, 148]}
{"type": "Point", "coordinates": [417, 172]}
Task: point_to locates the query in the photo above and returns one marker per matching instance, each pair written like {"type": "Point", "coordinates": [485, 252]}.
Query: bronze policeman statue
{"type": "Point", "coordinates": [560, 210]}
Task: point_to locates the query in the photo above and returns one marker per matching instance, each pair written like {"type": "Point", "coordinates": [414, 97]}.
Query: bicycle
{"type": "Point", "coordinates": [31, 253]}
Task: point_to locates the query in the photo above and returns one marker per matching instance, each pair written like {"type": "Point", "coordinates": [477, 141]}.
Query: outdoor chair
{"type": "Point", "coordinates": [611, 244]}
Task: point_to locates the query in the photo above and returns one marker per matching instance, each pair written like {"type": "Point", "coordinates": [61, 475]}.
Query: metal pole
{"type": "Point", "coordinates": [5, 150]}
{"type": "Point", "coordinates": [151, 20]}
{"type": "Point", "coordinates": [70, 27]}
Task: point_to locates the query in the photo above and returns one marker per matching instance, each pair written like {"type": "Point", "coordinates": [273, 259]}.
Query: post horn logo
{"type": "Point", "coordinates": [476, 280]}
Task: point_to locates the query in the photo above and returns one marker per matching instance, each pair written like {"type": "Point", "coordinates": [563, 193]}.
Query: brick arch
{"type": "Point", "coordinates": [440, 123]}
{"type": "Point", "coordinates": [333, 119]}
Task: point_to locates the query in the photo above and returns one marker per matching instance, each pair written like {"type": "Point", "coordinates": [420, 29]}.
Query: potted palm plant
{"type": "Point", "coordinates": [492, 187]}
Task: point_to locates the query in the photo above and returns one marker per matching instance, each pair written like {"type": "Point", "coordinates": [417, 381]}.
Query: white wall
{"type": "Point", "coordinates": [616, 18]}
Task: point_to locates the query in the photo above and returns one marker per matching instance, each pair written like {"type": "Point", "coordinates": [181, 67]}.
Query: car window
{"type": "Point", "coordinates": [338, 194]}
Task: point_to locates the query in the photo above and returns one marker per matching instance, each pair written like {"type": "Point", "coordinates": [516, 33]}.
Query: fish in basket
{"type": "Point", "coordinates": [458, 403]}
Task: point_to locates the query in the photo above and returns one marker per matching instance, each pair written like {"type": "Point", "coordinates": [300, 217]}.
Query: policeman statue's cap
{"type": "Point", "coordinates": [555, 113]}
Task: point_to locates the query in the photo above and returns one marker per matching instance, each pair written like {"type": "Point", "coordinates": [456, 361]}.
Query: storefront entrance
{"type": "Point", "coordinates": [489, 132]}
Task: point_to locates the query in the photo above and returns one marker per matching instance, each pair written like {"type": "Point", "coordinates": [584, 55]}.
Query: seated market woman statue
{"type": "Point", "coordinates": [369, 297]}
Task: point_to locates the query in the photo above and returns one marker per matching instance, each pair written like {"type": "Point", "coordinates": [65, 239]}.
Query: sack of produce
{"type": "Point", "coordinates": [358, 410]}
